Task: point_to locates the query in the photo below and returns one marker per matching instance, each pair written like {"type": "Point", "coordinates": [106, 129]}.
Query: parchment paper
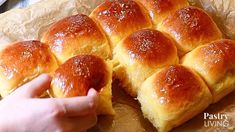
{"type": "Point", "coordinates": [31, 22]}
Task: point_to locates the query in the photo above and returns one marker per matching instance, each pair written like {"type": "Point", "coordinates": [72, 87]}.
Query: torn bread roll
{"type": "Point", "coordinates": [172, 96]}
{"type": "Point", "coordinates": [80, 73]}
{"type": "Point", "coordinates": [21, 62]}
{"type": "Point", "coordinates": [215, 62]}
{"type": "Point", "coordinates": [76, 35]}
{"type": "Point", "coordinates": [141, 54]}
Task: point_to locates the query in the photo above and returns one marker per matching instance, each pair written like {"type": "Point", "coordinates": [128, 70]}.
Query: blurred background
{"type": "Point", "coordinates": [9, 4]}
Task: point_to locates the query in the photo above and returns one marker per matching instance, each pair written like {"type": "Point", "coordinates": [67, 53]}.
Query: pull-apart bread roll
{"type": "Point", "coordinates": [215, 62]}
{"type": "Point", "coordinates": [190, 27]}
{"type": "Point", "coordinates": [120, 18]}
{"type": "Point", "coordinates": [140, 54]}
{"type": "Point", "coordinates": [21, 62]}
{"type": "Point", "coordinates": [161, 9]}
{"type": "Point", "coordinates": [172, 96]}
{"type": "Point", "coordinates": [80, 73]}
{"type": "Point", "coordinates": [76, 35]}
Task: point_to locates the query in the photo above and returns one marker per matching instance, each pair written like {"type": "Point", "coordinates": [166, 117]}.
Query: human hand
{"type": "Point", "coordinates": [23, 111]}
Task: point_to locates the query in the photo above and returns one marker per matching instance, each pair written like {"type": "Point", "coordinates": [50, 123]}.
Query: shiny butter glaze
{"type": "Point", "coordinates": [191, 26]}
{"type": "Point", "coordinates": [150, 47]}
{"type": "Point", "coordinates": [160, 9]}
{"type": "Point", "coordinates": [163, 6]}
{"type": "Point", "coordinates": [80, 73]}
{"type": "Point", "coordinates": [23, 59]}
{"type": "Point", "coordinates": [71, 28]}
{"type": "Point", "coordinates": [177, 85]}
{"type": "Point", "coordinates": [218, 56]}
{"type": "Point", "coordinates": [120, 16]}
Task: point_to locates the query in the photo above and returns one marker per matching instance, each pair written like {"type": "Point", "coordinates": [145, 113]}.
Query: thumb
{"type": "Point", "coordinates": [94, 95]}
{"type": "Point", "coordinates": [34, 88]}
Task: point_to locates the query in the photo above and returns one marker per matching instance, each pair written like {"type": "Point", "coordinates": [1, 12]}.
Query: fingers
{"type": "Point", "coordinates": [93, 93]}
{"type": "Point", "coordinates": [79, 106]}
{"type": "Point", "coordinates": [34, 88]}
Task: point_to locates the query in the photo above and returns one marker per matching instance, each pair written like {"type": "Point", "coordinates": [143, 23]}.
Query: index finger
{"type": "Point", "coordinates": [79, 106]}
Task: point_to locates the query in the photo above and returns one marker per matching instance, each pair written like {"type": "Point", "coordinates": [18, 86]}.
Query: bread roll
{"type": "Point", "coordinates": [190, 27]}
{"type": "Point", "coordinates": [21, 62]}
{"type": "Point", "coordinates": [223, 13]}
{"type": "Point", "coordinates": [80, 73]}
{"type": "Point", "coordinates": [172, 96]}
{"type": "Point", "coordinates": [120, 18]}
{"type": "Point", "coordinates": [160, 9]}
{"type": "Point", "coordinates": [76, 35]}
{"type": "Point", "coordinates": [140, 54]}
{"type": "Point", "coordinates": [215, 62]}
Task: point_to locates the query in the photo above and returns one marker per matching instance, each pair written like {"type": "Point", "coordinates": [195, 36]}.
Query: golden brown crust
{"type": "Point", "coordinates": [160, 9]}
{"type": "Point", "coordinates": [176, 85]}
{"type": "Point", "coordinates": [191, 27]}
{"type": "Point", "coordinates": [140, 55]}
{"type": "Point", "coordinates": [71, 27]}
{"type": "Point", "coordinates": [22, 61]}
{"type": "Point", "coordinates": [120, 18]}
{"type": "Point", "coordinates": [77, 75]}
{"type": "Point", "coordinates": [216, 58]}
{"type": "Point", "coordinates": [150, 47]}
{"type": "Point", "coordinates": [76, 35]}
{"type": "Point", "coordinates": [219, 56]}
{"type": "Point", "coordinates": [215, 62]}
{"type": "Point", "coordinates": [172, 96]}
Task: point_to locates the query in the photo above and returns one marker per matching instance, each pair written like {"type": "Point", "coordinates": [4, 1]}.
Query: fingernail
{"type": "Point", "coordinates": [46, 76]}
{"type": "Point", "coordinates": [92, 92]}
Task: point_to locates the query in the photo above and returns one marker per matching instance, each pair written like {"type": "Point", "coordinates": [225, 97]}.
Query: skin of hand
{"type": "Point", "coordinates": [23, 110]}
